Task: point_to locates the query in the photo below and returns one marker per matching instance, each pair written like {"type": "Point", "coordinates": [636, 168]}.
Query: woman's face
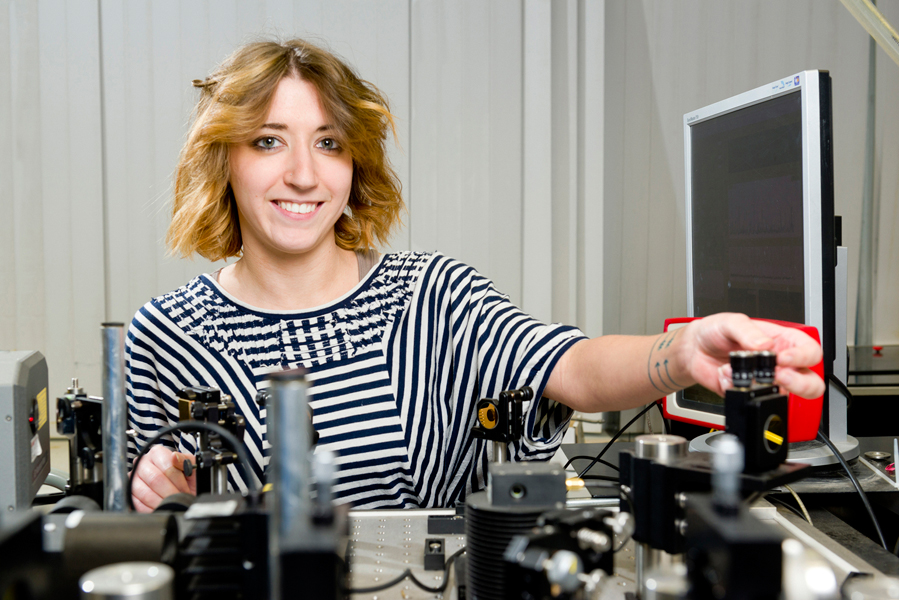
{"type": "Point", "coordinates": [292, 180]}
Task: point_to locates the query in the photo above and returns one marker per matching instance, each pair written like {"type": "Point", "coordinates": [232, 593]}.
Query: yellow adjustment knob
{"type": "Point", "coordinates": [488, 417]}
{"type": "Point", "coordinates": [774, 438]}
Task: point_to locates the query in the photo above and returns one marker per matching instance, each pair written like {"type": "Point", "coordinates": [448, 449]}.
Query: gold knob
{"type": "Point", "coordinates": [488, 417]}
{"type": "Point", "coordinates": [575, 483]}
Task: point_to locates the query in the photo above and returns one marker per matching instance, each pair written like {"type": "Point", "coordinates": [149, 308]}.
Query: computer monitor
{"type": "Point", "coordinates": [759, 215]}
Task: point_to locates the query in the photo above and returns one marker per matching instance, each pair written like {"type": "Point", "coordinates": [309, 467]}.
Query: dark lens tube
{"type": "Point", "coordinates": [765, 362]}
{"type": "Point", "coordinates": [743, 365]}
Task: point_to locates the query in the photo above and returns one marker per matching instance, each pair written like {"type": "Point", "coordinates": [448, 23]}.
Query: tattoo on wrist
{"type": "Point", "coordinates": [657, 364]}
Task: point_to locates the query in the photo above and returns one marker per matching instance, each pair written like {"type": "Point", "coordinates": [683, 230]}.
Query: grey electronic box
{"type": "Point", "coordinates": [24, 428]}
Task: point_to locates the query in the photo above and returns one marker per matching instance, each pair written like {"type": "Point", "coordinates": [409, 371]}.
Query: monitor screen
{"type": "Point", "coordinates": [747, 212]}
{"type": "Point", "coordinates": [759, 207]}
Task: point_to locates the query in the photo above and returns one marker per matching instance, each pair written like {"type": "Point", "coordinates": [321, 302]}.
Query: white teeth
{"type": "Point", "coordinates": [304, 208]}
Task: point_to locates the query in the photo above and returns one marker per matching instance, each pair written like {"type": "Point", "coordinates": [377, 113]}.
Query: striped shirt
{"type": "Point", "coordinates": [396, 368]}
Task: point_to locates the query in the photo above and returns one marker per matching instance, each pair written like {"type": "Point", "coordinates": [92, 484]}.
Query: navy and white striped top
{"type": "Point", "coordinates": [396, 365]}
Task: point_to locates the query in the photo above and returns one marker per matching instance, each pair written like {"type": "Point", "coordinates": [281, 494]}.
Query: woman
{"type": "Point", "coordinates": [285, 167]}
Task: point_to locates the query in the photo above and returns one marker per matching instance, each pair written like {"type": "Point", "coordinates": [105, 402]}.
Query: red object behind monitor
{"type": "Point", "coordinates": [804, 414]}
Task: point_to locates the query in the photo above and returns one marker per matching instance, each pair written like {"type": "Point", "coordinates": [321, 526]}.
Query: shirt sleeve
{"type": "Point", "coordinates": [461, 340]}
{"type": "Point", "coordinates": [514, 350]}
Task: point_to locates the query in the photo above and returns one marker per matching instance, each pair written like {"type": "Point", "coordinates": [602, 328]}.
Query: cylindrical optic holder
{"type": "Point", "coordinates": [97, 539]}
{"type": "Point", "coordinates": [115, 418]}
{"type": "Point", "coordinates": [132, 580]}
{"type": "Point", "coordinates": [657, 508]}
{"type": "Point", "coordinates": [302, 552]}
{"type": "Point", "coordinates": [517, 494]}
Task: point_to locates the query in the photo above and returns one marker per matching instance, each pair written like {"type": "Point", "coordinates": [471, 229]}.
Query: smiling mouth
{"type": "Point", "coordinates": [301, 208]}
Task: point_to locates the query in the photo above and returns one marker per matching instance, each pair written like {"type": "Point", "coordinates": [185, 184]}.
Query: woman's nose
{"type": "Point", "coordinates": [300, 171]}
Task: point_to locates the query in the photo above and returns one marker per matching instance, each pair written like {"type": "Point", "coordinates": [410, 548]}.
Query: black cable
{"type": "Point", "coordinates": [842, 387]}
{"type": "Point", "coordinates": [399, 578]}
{"type": "Point", "coordinates": [615, 437]}
{"type": "Point", "coordinates": [585, 457]}
{"type": "Point", "coordinates": [227, 436]}
{"type": "Point", "coordinates": [858, 487]}
{"type": "Point", "coordinates": [662, 412]}
{"type": "Point", "coordinates": [786, 505]}
{"type": "Point", "coordinates": [408, 573]}
{"type": "Point", "coordinates": [446, 572]}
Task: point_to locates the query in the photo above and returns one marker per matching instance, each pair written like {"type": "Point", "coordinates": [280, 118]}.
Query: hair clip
{"type": "Point", "coordinates": [203, 83]}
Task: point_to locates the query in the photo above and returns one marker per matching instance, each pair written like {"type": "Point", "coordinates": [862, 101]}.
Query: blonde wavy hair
{"type": "Point", "coordinates": [233, 105]}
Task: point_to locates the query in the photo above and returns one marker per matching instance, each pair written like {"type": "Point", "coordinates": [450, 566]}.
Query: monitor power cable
{"type": "Point", "coordinates": [826, 441]}
{"type": "Point", "coordinates": [608, 445]}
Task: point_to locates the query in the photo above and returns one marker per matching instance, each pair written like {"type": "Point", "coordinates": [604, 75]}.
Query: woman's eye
{"type": "Point", "coordinates": [268, 142]}
{"type": "Point", "coordinates": [329, 144]}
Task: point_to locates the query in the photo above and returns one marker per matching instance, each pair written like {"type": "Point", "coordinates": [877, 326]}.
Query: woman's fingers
{"type": "Point", "coordinates": [802, 382]}
{"type": "Point", "coordinates": [165, 479]}
{"type": "Point", "coordinates": [794, 347]}
{"type": "Point", "coordinates": [157, 478]}
{"type": "Point", "coordinates": [145, 499]}
{"type": "Point", "coordinates": [746, 333]}
{"type": "Point", "coordinates": [140, 506]}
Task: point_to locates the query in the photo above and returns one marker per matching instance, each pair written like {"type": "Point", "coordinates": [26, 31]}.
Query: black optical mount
{"type": "Point", "coordinates": [756, 412]}
{"type": "Point", "coordinates": [202, 403]}
{"type": "Point", "coordinates": [79, 418]}
{"type": "Point", "coordinates": [501, 420]}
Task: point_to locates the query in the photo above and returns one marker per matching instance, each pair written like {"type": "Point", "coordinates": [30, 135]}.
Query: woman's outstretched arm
{"type": "Point", "coordinates": [618, 372]}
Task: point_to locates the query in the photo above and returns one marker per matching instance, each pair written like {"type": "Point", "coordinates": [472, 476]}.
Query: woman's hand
{"type": "Point", "coordinates": [159, 475]}
{"type": "Point", "coordinates": [707, 343]}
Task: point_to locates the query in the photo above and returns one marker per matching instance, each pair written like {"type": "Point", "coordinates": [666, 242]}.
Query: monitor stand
{"type": "Point", "coordinates": [813, 452]}
{"type": "Point", "coordinates": [816, 453]}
